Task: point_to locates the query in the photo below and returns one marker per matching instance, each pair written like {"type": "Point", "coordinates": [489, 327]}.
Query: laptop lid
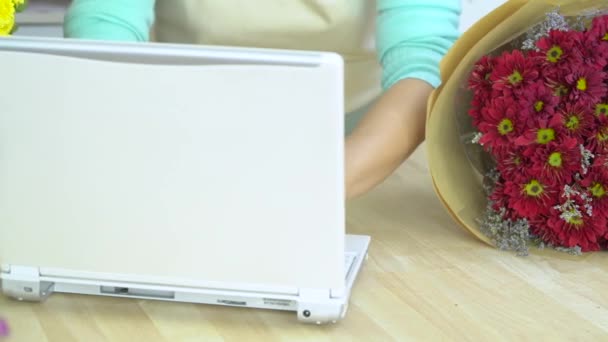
{"type": "Point", "coordinates": [189, 164]}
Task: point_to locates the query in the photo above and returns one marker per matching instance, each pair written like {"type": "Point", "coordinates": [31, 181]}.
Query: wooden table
{"type": "Point", "coordinates": [425, 280]}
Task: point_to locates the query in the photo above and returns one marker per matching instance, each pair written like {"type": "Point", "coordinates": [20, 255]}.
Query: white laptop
{"type": "Point", "coordinates": [182, 173]}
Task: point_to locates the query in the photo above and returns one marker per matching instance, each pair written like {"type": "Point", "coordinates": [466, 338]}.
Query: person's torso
{"type": "Point", "coordinates": [346, 27]}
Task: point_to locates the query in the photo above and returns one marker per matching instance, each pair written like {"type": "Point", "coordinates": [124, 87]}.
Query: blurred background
{"type": "Point", "coordinates": [45, 17]}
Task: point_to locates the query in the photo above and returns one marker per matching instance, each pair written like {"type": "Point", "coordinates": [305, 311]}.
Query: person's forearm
{"type": "Point", "coordinates": [386, 136]}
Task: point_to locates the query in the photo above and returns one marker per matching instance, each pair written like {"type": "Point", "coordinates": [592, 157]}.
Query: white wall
{"type": "Point", "coordinates": [473, 10]}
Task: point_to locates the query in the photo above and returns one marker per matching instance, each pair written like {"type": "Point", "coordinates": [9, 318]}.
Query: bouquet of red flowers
{"type": "Point", "coordinates": [541, 115]}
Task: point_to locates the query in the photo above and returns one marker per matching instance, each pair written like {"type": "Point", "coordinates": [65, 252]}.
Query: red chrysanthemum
{"type": "Point", "coordinates": [600, 109]}
{"type": "Point", "coordinates": [513, 71]}
{"type": "Point", "coordinates": [538, 100]}
{"type": "Point", "coordinates": [541, 131]}
{"type": "Point", "coordinates": [479, 81]}
{"type": "Point", "coordinates": [500, 124]}
{"type": "Point", "coordinates": [555, 79]}
{"type": "Point", "coordinates": [596, 184]}
{"type": "Point", "coordinates": [598, 141]}
{"type": "Point", "coordinates": [599, 29]}
{"type": "Point", "coordinates": [556, 162]}
{"type": "Point", "coordinates": [538, 228]}
{"type": "Point", "coordinates": [476, 106]}
{"type": "Point", "coordinates": [573, 223]}
{"type": "Point", "coordinates": [586, 84]}
{"type": "Point", "coordinates": [595, 46]}
{"type": "Point", "coordinates": [530, 198]}
{"type": "Point", "coordinates": [559, 48]}
{"type": "Point", "coordinates": [577, 120]}
{"type": "Point", "coordinates": [594, 54]}
{"type": "Point", "coordinates": [498, 197]}
{"type": "Point", "coordinates": [512, 164]}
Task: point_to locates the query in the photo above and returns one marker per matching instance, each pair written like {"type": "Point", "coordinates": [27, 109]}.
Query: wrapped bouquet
{"type": "Point", "coordinates": [518, 133]}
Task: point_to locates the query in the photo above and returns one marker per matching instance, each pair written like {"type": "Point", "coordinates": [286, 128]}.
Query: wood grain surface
{"type": "Point", "coordinates": [425, 280]}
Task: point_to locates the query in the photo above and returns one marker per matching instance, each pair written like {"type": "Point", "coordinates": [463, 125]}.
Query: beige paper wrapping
{"type": "Point", "coordinates": [455, 180]}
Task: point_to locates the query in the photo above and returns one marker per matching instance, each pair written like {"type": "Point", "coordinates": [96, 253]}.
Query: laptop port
{"type": "Point", "coordinates": [142, 293]}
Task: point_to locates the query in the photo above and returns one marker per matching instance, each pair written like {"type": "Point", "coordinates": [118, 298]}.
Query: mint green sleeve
{"type": "Point", "coordinates": [412, 36]}
{"type": "Point", "coordinates": [122, 20]}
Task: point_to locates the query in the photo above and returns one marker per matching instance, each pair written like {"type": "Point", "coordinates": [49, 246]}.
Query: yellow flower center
{"type": "Point", "coordinates": [581, 84]}
{"type": "Point", "coordinates": [534, 188]}
{"type": "Point", "coordinates": [515, 77]}
{"type": "Point", "coordinates": [575, 219]}
{"type": "Point", "coordinates": [601, 109]}
{"type": "Point", "coordinates": [560, 90]}
{"type": "Point", "coordinates": [597, 190]}
{"type": "Point", "coordinates": [555, 159]}
{"type": "Point", "coordinates": [605, 37]}
{"type": "Point", "coordinates": [554, 54]}
{"type": "Point", "coordinates": [516, 161]}
{"type": "Point", "coordinates": [545, 135]}
{"type": "Point", "coordinates": [505, 127]}
{"type": "Point", "coordinates": [539, 105]}
{"type": "Point", "coordinates": [572, 123]}
{"type": "Point", "coordinates": [602, 135]}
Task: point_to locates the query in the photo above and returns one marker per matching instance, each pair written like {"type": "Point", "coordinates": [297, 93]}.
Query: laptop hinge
{"type": "Point", "coordinates": [317, 306]}
{"type": "Point", "coordinates": [24, 283]}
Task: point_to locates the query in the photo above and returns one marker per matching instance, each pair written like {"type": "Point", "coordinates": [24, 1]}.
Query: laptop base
{"type": "Point", "coordinates": [318, 306]}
